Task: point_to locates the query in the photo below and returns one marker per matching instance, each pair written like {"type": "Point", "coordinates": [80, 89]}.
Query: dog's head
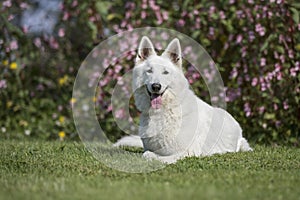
{"type": "Point", "coordinates": [158, 80]}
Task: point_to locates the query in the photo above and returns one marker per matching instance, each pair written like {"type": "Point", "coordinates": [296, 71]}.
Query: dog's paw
{"type": "Point", "coordinates": [149, 155]}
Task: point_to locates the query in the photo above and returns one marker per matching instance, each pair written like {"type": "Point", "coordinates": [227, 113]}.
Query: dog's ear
{"type": "Point", "coordinates": [173, 52]}
{"type": "Point", "coordinates": [145, 50]}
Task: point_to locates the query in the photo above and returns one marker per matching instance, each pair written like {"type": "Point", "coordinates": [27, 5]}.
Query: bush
{"type": "Point", "coordinates": [255, 45]}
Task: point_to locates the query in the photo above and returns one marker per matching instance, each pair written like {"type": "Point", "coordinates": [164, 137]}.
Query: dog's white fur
{"type": "Point", "coordinates": [179, 124]}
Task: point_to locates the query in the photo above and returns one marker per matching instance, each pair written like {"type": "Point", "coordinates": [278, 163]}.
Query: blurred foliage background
{"type": "Point", "coordinates": [255, 44]}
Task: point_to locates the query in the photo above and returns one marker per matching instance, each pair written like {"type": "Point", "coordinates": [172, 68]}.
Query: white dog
{"type": "Point", "coordinates": [174, 123]}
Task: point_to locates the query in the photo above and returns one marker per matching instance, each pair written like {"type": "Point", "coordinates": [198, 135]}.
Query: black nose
{"type": "Point", "coordinates": [156, 87]}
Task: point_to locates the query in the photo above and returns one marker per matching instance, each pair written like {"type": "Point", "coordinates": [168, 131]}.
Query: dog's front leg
{"type": "Point", "coordinates": [165, 159]}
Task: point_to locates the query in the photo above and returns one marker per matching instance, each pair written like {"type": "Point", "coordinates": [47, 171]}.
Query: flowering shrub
{"type": "Point", "coordinates": [255, 44]}
{"type": "Point", "coordinates": [37, 69]}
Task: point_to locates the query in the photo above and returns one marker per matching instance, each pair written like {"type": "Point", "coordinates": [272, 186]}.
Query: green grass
{"type": "Point", "coordinates": [54, 170]}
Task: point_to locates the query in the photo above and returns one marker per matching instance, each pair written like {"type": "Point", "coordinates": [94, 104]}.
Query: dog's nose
{"type": "Point", "coordinates": [156, 87]}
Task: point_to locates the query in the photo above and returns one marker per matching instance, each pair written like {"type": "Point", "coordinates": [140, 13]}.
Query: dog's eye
{"type": "Point", "coordinates": [165, 72]}
{"type": "Point", "coordinates": [149, 71]}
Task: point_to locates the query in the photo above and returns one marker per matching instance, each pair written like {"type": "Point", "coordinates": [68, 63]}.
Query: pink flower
{"type": "Point", "coordinates": [233, 73]}
{"type": "Point", "coordinates": [74, 3]}
{"type": "Point", "coordinates": [181, 22]}
{"type": "Point", "coordinates": [247, 109]}
{"type": "Point", "coordinates": [184, 13]}
{"type": "Point", "coordinates": [143, 14]}
{"type": "Point", "coordinates": [222, 14]}
{"type": "Point", "coordinates": [244, 51]}
{"type": "Point", "coordinates": [92, 19]}
{"type": "Point", "coordinates": [23, 5]}
{"type": "Point", "coordinates": [212, 10]}
{"type": "Point", "coordinates": [285, 105]}
{"type": "Point", "coordinates": [187, 50]}
{"type": "Point", "coordinates": [144, 4]}
{"type": "Point", "coordinates": [251, 36]}
{"type": "Point", "coordinates": [262, 62]}
{"type": "Point", "coordinates": [37, 42]}
{"type": "Point", "coordinates": [13, 45]}
{"type": "Point", "coordinates": [118, 68]}
{"type": "Point", "coordinates": [239, 38]}
{"type": "Point", "coordinates": [53, 43]}
{"type": "Point", "coordinates": [153, 6]}
{"type": "Point", "coordinates": [3, 84]}
{"type": "Point", "coordinates": [159, 18]}
{"type": "Point", "coordinates": [7, 3]}
{"type": "Point", "coordinates": [25, 29]}
{"type": "Point", "coordinates": [164, 36]}
{"type": "Point", "coordinates": [279, 76]}
{"type": "Point", "coordinates": [10, 17]}
{"type": "Point", "coordinates": [254, 81]}
{"type": "Point", "coordinates": [291, 53]}
{"type": "Point", "coordinates": [109, 108]}
{"type": "Point", "coordinates": [260, 29]}
{"type": "Point", "coordinates": [211, 31]}
{"type": "Point", "coordinates": [165, 15]}
{"type": "Point", "coordinates": [240, 14]}
{"type": "Point", "coordinates": [119, 114]}
{"type": "Point", "coordinates": [66, 16]}
{"type": "Point", "coordinates": [103, 82]}
{"type": "Point", "coordinates": [261, 109]}
{"type": "Point", "coordinates": [263, 85]}
{"type": "Point", "coordinates": [196, 76]}
{"type": "Point", "coordinates": [277, 67]}
{"type": "Point", "coordinates": [128, 14]}
{"type": "Point", "coordinates": [282, 58]}
{"type": "Point", "coordinates": [61, 32]}
{"type": "Point", "coordinates": [293, 72]}
{"type": "Point", "coordinates": [275, 106]}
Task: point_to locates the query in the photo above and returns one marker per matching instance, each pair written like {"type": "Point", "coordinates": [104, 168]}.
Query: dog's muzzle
{"type": "Point", "coordinates": [156, 87]}
{"type": "Point", "coordinates": [155, 95]}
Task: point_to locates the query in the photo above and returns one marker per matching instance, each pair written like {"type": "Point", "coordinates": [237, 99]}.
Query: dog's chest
{"type": "Point", "coordinates": [159, 129]}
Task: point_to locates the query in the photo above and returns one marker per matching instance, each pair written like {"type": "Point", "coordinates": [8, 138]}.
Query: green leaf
{"type": "Point", "coordinates": [269, 116]}
{"type": "Point", "coordinates": [280, 49]}
{"type": "Point", "coordinates": [93, 28]}
{"type": "Point", "coordinates": [103, 7]}
{"type": "Point", "coordinates": [295, 15]}
{"type": "Point", "coordinates": [113, 16]}
{"type": "Point", "coordinates": [267, 41]}
{"type": "Point", "coordinates": [296, 5]}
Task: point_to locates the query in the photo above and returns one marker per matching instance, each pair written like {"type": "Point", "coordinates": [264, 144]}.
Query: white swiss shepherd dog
{"type": "Point", "coordinates": [174, 122]}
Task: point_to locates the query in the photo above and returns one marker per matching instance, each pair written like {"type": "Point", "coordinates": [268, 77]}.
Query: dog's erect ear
{"type": "Point", "coordinates": [173, 52]}
{"type": "Point", "coordinates": [145, 50]}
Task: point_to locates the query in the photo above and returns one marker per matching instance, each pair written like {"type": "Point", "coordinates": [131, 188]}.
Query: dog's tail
{"type": "Point", "coordinates": [131, 140]}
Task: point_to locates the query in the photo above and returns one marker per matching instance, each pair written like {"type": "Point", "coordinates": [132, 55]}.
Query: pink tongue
{"type": "Point", "coordinates": [156, 101]}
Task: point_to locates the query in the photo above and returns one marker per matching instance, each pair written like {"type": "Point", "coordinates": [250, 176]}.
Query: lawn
{"type": "Point", "coordinates": [65, 170]}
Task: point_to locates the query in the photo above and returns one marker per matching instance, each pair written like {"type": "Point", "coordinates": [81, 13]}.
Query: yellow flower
{"type": "Point", "coordinates": [73, 100]}
{"type": "Point", "coordinates": [5, 62]}
{"type": "Point", "coordinates": [13, 66]}
{"type": "Point", "coordinates": [63, 80]}
{"type": "Point", "coordinates": [62, 135]}
{"type": "Point", "coordinates": [23, 123]}
{"type": "Point", "coordinates": [9, 104]}
{"type": "Point", "coordinates": [94, 99]}
{"type": "Point", "coordinates": [61, 119]}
